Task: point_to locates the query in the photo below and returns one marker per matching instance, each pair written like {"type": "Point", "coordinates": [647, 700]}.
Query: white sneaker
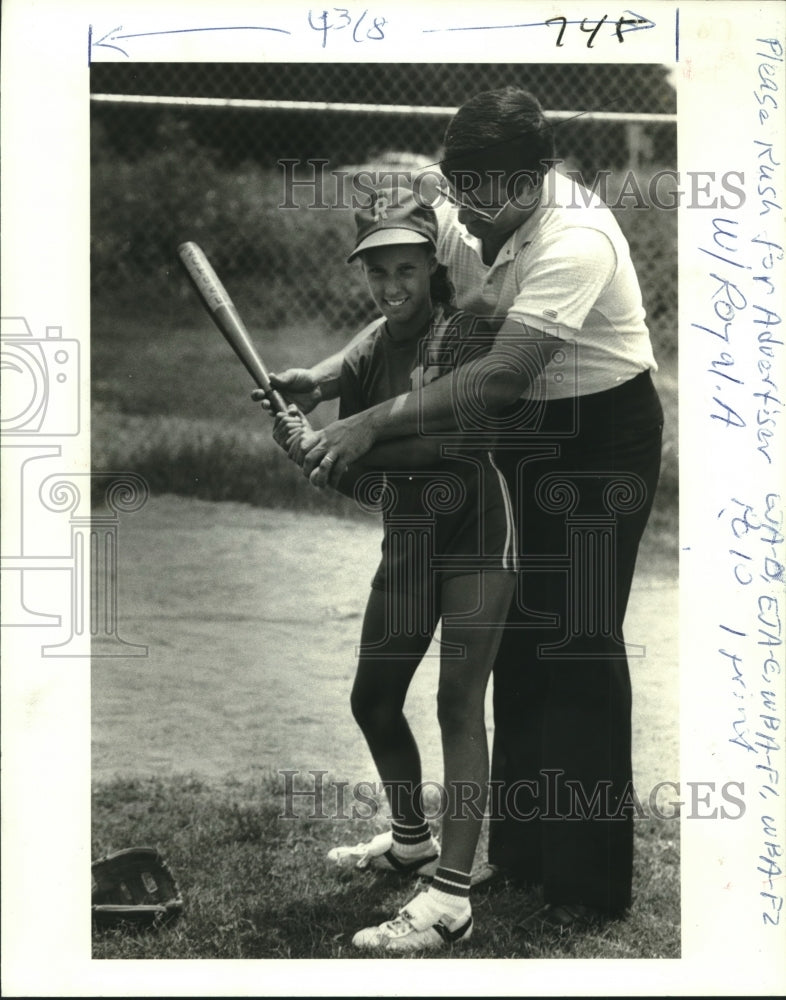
{"type": "Point", "coordinates": [379, 855]}
{"type": "Point", "coordinates": [420, 925]}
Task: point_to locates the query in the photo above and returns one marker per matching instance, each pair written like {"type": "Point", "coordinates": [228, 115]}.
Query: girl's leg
{"type": "Point", "coordinates": [387, 662]}
{"type": "Point", "coordinates": [474, 612]}
{"type": "Point", "coordinates": [462, 691]}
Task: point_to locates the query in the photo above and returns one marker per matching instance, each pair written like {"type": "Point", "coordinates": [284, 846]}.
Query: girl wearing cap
{"type": "Point", "coordinates": [447, 553]}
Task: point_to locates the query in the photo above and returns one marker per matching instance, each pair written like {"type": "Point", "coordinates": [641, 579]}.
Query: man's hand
{"type": "Point", "coordinates": [330, 451]}
{"type": "Point", "coordinates": [296, 385]}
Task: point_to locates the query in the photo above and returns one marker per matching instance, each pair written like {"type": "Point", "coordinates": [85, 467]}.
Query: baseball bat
{"type": "Point", "coordinates": [226, 317]}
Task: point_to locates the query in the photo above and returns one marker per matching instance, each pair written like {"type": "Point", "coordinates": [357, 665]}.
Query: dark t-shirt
{"type": "Point", "coordinates": [456, 513]}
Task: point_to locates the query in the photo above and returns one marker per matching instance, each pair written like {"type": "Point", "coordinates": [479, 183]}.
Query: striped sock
{"type": "Point", "coordinates": [410, 840]}
{"type": "Point", "coordinates": [450, 890]}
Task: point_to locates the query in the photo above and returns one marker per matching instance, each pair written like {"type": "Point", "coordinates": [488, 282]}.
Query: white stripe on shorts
{"type": "Point", "coordinates": [509, 555]}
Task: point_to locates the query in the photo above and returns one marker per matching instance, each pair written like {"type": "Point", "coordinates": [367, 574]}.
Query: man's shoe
{"type": "Point", "coordinates": [379, 855]}
{"type": "Point", "coordinates": [491, 876]}
{"type": "Point", "coordinates": [488, 875]}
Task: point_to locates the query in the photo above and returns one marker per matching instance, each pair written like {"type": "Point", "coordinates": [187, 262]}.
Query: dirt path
{"type": "Point", "coordinates": [251, 650]}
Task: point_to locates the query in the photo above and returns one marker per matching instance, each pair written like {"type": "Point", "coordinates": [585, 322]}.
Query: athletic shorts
{"type": "Point", "coordinates": [449, 521]}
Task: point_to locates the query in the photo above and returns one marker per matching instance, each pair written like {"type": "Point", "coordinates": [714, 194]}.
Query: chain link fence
{"type": "Point", "coordinates": [195, 152]}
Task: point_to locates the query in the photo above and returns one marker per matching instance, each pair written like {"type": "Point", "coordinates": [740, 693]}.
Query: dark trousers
{"type": "Point", "coordinates": [561, 762]}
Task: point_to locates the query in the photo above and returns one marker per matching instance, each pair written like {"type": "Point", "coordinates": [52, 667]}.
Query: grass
{"type": "Point", "coordinates": [257, 886]}
{"type": "Point", "coordinates": [207, 459]}
{"type": "Point", "coordinates": [176, 409]}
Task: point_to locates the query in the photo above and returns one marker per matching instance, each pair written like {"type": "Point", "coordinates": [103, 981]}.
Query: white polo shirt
{"type": "Point", "coordinates": [567, 272]}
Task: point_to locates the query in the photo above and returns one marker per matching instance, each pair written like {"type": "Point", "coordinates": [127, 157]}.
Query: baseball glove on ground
{"type": "Point", "coordinates": [134, 888]}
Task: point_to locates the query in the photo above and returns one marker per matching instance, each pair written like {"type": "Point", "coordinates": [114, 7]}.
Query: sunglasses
{"type": "Point", "coordinates": [469, 207]}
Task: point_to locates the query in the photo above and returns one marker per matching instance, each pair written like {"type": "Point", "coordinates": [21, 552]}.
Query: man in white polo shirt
{"type": "Point", "coordinates": [566, 389]}
{"type": "Point", "coordinates": [566, 270]}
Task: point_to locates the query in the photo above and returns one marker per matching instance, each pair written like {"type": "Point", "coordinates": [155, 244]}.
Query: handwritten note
{"type": "Point", "coordinates": [770, 601]}
{"type": "Point", "coordinates": [753, 665]}
{"type": "Point", "coordinates": [741, 329]}
{"type": "Point", "coordinates": [339, 19]}
{"type": "Point", "coordinates": [357, 25]}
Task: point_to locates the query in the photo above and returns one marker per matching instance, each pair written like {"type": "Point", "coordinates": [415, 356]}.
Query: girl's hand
{"type": "Point", "coordinates": [289, 431]}
{"type": "Point", "coordinates": [296, 385]}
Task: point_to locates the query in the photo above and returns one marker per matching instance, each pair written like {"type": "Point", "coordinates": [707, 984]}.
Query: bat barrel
{"type": "Point", "coordinates": [222, 311]}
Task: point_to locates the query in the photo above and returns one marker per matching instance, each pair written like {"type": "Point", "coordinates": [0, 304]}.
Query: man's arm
{"type": "Point", "coordinates": [390, 456]}
{"type": "Point", "coordinates": [488, 384]}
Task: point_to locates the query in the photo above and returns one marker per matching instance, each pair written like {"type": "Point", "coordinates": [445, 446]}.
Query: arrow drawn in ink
{"type": "Point", "coordinates": [114, 37]}
{"type": "Point", "coordinates": [102, 43]}
{"type": "Point", "coordinates": [639, 23]}
{"type": "Point", "coordinates": [642, 23]}
{"type": "Point", "coordinates": [184, 31]}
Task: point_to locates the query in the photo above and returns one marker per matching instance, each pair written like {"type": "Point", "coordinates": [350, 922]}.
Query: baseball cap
{"type": "Point", "coordinates": [393, 215]}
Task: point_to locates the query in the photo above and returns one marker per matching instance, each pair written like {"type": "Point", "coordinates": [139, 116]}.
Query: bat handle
{"type": "Point", "coordinates": [277, 402]}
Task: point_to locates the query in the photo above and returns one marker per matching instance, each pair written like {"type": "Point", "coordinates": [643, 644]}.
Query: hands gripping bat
{"type": "Point", "coordinates": [223, 313]}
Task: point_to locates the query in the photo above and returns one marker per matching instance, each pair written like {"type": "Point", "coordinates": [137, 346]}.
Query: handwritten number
{"type": "Point", "coordinates": [379, 24]}
{"type": "Point", "coordinates": [343, 12]}
{"type": "Point", "coordinates": [564, 20]}
{"type": "Point", "coordinates": [595, 30]}
{"type": "Point", "coordinates": [743, 524]}
{"type": "Point", "coordinates": [629, 22]}
{"type": "Point", "coordinates": [324, 28]}
{"type": "Point", "coordinates": [355, 29]}
{"type": "Point", "coordinates": [345, 19]}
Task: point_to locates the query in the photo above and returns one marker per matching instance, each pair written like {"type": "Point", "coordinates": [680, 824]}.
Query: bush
{"type": "Point", "coordinates": [289, 263]}
{"type": "Point", "coordinates": [652, 236]}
